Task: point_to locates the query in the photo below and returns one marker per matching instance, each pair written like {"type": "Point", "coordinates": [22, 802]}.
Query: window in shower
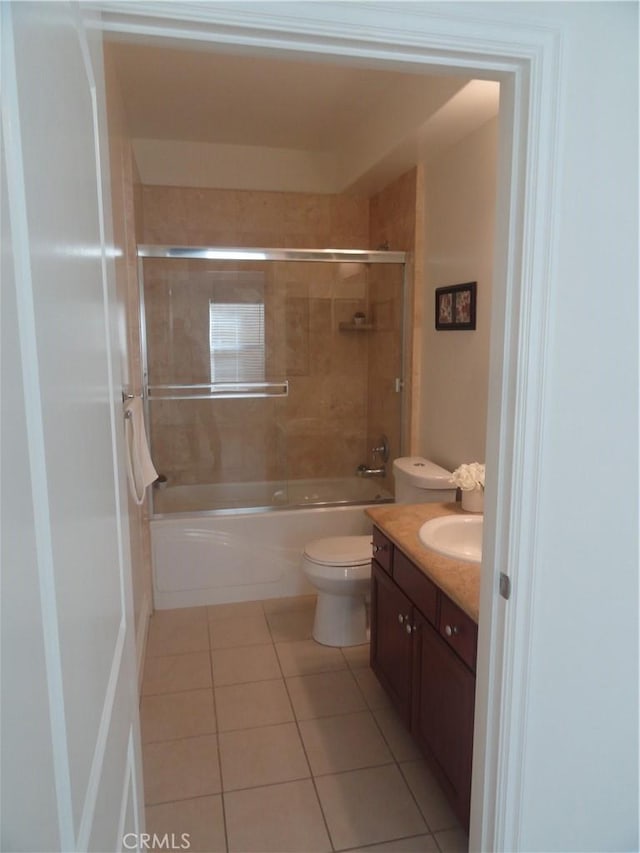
{"type": "Point", "coordinates": [236, 341]}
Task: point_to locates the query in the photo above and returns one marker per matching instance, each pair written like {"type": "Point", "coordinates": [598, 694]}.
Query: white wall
{"type": "Point", "coordinates": [175, 163]}
{"type": "Point", "coordinates": [581, 758]}
{"type": "Point", "coordinates": [460, 219]}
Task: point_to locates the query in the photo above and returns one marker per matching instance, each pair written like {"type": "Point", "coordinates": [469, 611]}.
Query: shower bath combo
{"type": "Point", "coordinates": [272, 382]}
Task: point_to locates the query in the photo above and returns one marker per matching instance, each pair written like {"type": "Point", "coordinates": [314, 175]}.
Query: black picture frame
{"type": "Point", "coordinates": [456, 307]}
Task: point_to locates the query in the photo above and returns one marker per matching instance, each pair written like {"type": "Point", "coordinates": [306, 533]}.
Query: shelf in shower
{"type": "Point", "coordinates": [218, 391]}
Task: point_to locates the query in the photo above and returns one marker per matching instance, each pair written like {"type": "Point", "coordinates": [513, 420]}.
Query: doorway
{"type": "Point", "coordinates": [518, 326]}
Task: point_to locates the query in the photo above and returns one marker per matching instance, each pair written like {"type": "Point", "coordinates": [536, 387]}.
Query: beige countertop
{"type": "Point", "coordinates": [460, 581]}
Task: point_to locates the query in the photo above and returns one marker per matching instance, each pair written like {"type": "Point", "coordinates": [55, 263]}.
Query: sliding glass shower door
{"type": "Point", "coordinates": [269, 381]}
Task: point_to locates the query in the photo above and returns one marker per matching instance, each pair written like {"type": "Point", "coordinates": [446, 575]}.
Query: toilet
{"type": "Point", "coordinates": [339, 567]}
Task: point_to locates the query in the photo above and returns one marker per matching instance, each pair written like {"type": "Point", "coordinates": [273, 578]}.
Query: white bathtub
{"type": "Point", "coordinates": [218, 557]}
{"type": "Point", "coordinates": [279, 494]}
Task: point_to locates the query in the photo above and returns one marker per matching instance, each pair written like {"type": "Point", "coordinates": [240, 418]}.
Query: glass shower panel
{"type": "Point", "coordinates": [214, 411]}
{"type": "Point", "coordinates": [385, 365]}
{"type": "Point", "coordinates": [270, 382]}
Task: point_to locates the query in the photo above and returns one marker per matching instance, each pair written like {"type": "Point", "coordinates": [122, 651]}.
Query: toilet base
{"type": "Point", "coordinates": [340, 620]}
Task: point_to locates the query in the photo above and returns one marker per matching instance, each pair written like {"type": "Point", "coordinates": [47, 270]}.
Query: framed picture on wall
{"type": "Point", "coordinates": [456, 307]}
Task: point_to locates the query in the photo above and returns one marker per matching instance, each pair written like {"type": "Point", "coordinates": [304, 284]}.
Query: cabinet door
{"type": "Point", "coordinates": [442, 714]}
{"type": "Point", "coordinates": [391, 645]}
{"type": "Point", "coordinates": [382, 550]}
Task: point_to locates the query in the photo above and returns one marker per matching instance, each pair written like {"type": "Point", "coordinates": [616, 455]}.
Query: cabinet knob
{"type": "Point", "coordinates": [451, 630]}
{"type": "Point", "coordinates": [400, 618]}
{"type": "Point", "coordinates": [410, 629]}
{"type": "Point", "coordinates": [377, 548]}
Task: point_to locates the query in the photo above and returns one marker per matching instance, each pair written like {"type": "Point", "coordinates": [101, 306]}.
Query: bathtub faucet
{"type": "Point", "coordinates": [363, 471]}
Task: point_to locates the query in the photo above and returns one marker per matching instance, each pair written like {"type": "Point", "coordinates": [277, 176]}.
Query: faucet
{"type": "Point", "coordinates": [382, 451]}
{"type": "Point", "coordinates": [364, 471]}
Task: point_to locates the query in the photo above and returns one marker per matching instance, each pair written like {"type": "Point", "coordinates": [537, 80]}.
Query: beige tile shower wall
{"type": "Point", "coordinates": [210, 217]}
{"type": "Point", "coordinates": [319, 430]}
{"type": "Point", "coordinates": [123, 192]}
{"type": "Point", "coordinates": [394, 213]}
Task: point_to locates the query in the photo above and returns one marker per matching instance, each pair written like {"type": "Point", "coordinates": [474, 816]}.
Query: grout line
{"type": "Point", "coordinates": [177, 739]}
{"type": "Point", "coordinates": [367, 708]}
{"type": "Point", "coordinates": [306, 755]}
{"type": "Point", "coordinates": [215, 713]}
{"type": "Point", "coordinates": [182, 800]}
{"type": "Point", "coordinates": [391, 841]}
{"type": "Point", "coordinates": [175, 692]}
{"type": "Point", "coordinates": [268, 785]}
{"type": "Point", "coordinates": [179, 654]}
{"type": "Point", "coordinates": [398, 765]}
{"type": "Point", "coordinates": [420, 809]}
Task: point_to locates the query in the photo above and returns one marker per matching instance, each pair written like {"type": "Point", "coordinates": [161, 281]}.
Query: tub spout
{"type": "Point", "coordinates": [364, 471]}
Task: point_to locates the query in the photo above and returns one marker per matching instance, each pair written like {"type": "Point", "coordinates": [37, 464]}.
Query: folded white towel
{"type": "Point", "coordinates": [140, 470]}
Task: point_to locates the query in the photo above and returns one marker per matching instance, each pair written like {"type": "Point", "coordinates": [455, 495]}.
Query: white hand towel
{"type": "Point", "coordinates": [140, 470]}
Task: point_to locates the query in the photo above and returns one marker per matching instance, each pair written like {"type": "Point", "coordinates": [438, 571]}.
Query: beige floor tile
{"type": "Point", "coordinates": [173, 673]}
{"type": "Point", "coordinates": [246, 706]}
{"type": "Point", "coordinates": [168, 716]}
{"type": "Point", "coordinates": [287, 626]}
{"type": "Point", "coordinates": [243, 664]}
{"type": "Point", "coordinates": [372, 690]}
{"type": "Point", "coordinates": [324, 694]}
{"type": "Point", "coordinates": [174, 632]}
{"type": "Point", "coordinates": [235, 609]}
{"type": "Point", "coordinates": [401, 744]}
{"type": "Point", "coordinates": [276, 819]}
{"type": "Point", "coordinates": [293, 602]}
{"type": "Point", "coordinates": [426, 789]}
{"type": "Point", "coordinates": [368, 806]}
{"type": "Point", "coordinates": [181, 769]}
{"type": "Point", "coordinates": [262, 756]}
{"type": "Point", "coordinates": [201, 819]}
{"type": "Point", "coordinates": [345, 742]}
{"type": "Point", "coordinates": [249, 630]}
{"type": "Point", "coordinates": [307, 656]}
{"type": "Point", "coordinates": [357, 657]}
{"type": "Point", "coordinates": [415, 844]}
{"type": "Point", "coordinates": [453, 841]}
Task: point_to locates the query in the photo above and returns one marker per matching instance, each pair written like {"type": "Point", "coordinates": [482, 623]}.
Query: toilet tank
{"type": "Point", "coordinates": [419, 481]}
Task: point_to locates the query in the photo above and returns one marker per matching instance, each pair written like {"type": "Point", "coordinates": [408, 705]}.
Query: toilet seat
{"type": "Point", "coordinates": [340, 551]}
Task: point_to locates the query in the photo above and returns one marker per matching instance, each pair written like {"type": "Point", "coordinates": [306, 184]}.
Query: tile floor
{"type": "Point", "coordinates": [256, 738]}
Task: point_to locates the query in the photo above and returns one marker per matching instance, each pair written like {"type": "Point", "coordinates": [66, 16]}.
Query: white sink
{"type": "Point", "coordinates": [456, 536]}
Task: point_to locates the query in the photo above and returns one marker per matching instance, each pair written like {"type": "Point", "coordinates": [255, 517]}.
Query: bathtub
{"type": "Point", "coordinates": [267, 494]}
{"type": "Point", "coordinates": [202, 556]}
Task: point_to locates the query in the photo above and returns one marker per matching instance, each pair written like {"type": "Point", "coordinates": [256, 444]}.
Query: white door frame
{"type": "Point", "coordinates": [455, 38]}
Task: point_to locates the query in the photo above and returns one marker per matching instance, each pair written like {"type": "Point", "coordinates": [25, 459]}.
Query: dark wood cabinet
{"type": "Point", "coordinates": [382, 550]}
{"type": "Point", "coordinates": [423, 651]}
{"type": "Point", "coordinates": [391, 645]}
{"type": "Point", "coordinates": [442, 714]}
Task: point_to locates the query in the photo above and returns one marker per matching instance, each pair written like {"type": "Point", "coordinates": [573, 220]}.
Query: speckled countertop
{"type": "Point", "coordinates": [401, 522]}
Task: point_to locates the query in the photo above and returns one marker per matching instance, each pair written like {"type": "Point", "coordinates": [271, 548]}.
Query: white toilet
{"type": "Point", "coordinates": [339, 567]}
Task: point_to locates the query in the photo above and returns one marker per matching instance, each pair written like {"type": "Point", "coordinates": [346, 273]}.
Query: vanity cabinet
{"type": "Point", "coordinates": [391, 645]}
{"type": "Point", "coordinates": [423, 651]}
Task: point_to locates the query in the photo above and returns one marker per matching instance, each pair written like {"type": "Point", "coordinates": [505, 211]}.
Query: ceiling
{"type": "Point", "coordinates": [349, 116]}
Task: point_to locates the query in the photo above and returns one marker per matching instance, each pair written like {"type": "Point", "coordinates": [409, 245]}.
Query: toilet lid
{"type": "Point", "coordinates": [340, 550]}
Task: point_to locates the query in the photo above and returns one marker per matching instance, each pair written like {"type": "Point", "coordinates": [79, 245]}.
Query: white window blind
{"type": "Point", "coordinates": [236, 341]}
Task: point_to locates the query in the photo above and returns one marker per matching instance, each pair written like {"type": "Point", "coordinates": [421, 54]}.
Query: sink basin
{"type": "Point", "coordinates": [456, 536]}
